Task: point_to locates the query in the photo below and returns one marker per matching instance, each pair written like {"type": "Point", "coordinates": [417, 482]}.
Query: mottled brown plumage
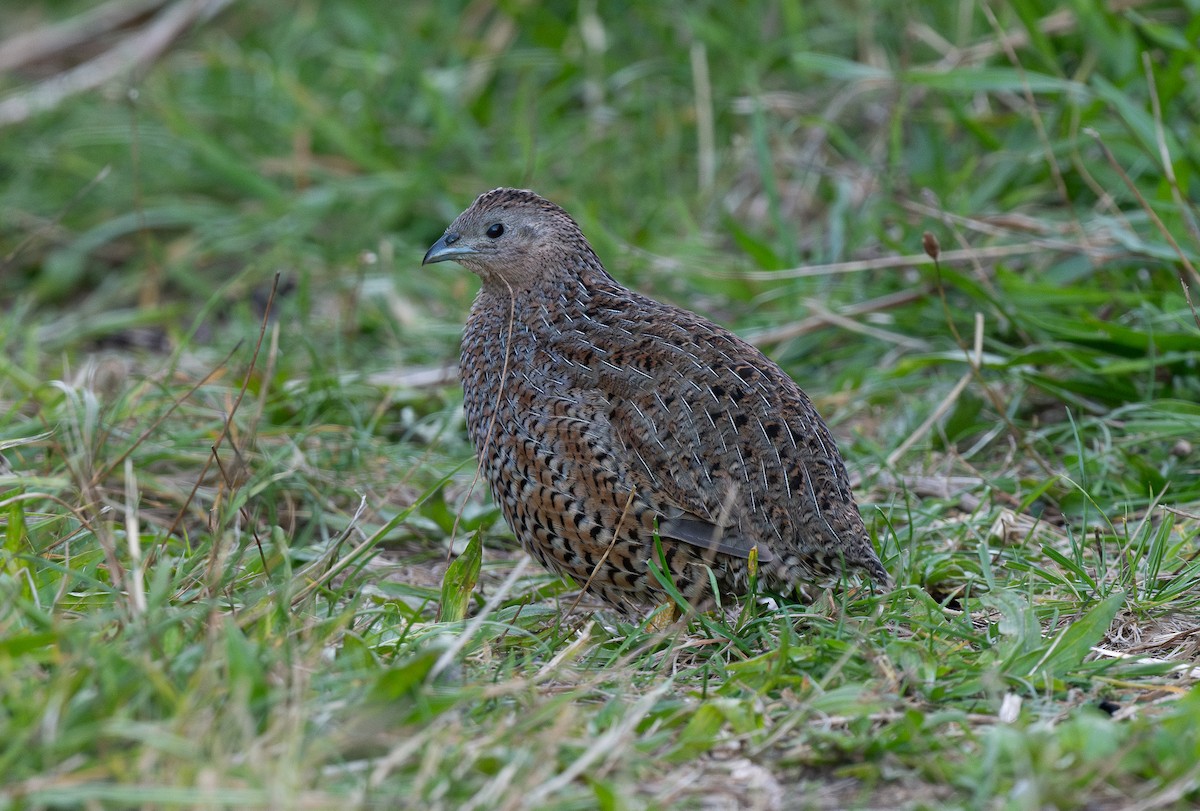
{"type": "Point", "coordinates": [601, 416]}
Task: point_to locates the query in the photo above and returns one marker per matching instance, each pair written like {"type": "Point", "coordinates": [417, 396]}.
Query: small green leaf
{"type": "Point", "coordinates": [356, 654]}
{"type": "Point", "coordinates": [460, 580]}
{"type": "Point", "coordinates": [703, 730]}
{"type": "Point", "coordinates": [402, 680]}
{"type": "Point", "coordinates": [606, 795]}
{"type": "Point", "coordinates": [244, 663]}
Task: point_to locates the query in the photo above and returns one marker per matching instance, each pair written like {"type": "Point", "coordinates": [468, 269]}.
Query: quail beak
{"type": "Point", "coordinates": [447, 248]}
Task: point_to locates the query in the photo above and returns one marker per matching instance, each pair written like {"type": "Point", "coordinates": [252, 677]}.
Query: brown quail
{"type": "Point", "coordinates": [602, 417]}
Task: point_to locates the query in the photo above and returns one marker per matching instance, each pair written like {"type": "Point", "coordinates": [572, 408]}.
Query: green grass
{"type": "Point", "coordinates": [245, 561]}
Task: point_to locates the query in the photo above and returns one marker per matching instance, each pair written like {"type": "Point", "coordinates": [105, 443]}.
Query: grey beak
{"type": "Point", "coordinates": [447, 248]}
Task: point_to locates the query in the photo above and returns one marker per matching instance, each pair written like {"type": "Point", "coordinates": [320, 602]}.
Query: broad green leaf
{"type": "Point", "coordinates": [1077, 639]}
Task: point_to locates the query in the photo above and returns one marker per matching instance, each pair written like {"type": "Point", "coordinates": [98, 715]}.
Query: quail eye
{"type": "Point", "coordinates": [494, 231]}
